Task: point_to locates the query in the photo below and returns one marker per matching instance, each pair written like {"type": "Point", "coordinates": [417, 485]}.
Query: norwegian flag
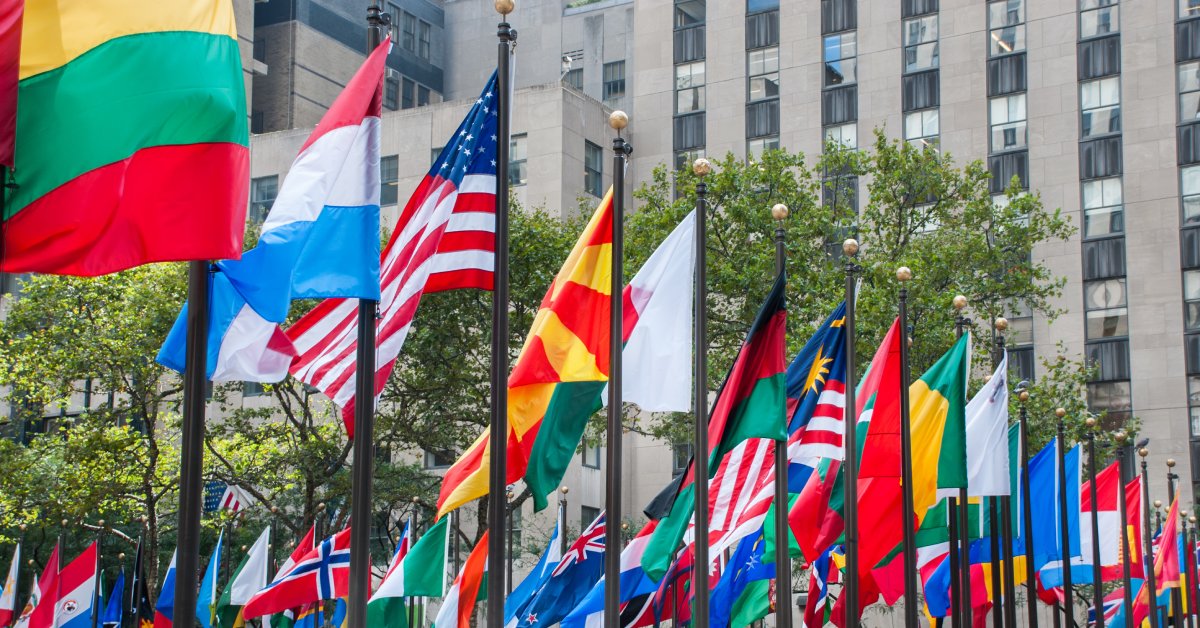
{"type": "Point", "coordinates": [444, 240]}
{"type": "Point", "coordinates": [322, 574]}
{"type": "Point", "coordinates": [590, 540]}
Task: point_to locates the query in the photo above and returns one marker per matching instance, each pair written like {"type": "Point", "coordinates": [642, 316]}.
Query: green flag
{"type": "Point", "coordinates": [753, 604]}
{"type": "Point", "coordinates": [422, 572]}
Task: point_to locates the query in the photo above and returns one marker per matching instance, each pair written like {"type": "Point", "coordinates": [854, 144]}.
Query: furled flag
{"type": "Point", "coordinates": [817, 608]}
{"type": "Point", "coordinates": [459, 603]}
{"type": "Point", "coordinates": [140, 609]}
{"type": "Point", "coordinates": [164, 607]}
{"type": "Point", "coordinates": [287, 618]}
{"type": "Point", "coordinates": [637, 591]}
{"type": "Point", "coordinates": [816, 403]}
{"type": "Point", "coordinates": [1108, 483]}
{"type": "Point", "coordinates": [569, 582]}
{"type": "Point", "coordinates": [8, 595]}
{"type": "Point", "coordinates": [77, 590]}
{"type": "Point", "coordinates": [321, 239]}
{"type": "Point", "coordinates": [422, 570]}
{"type": "Point", "coordinates": [206, 600]}
{"type": "Point", "coordinates": [561, 373]}
{"type": "Point", "coordinates": [322, 574]}
{"type": "Point", "coordinates": [113, 614]}
{"type": "Point", "coordinates": [132, 141]}
{"type": "Point", "coordinates": [250, 578]}
{"type": "Point", "coordinates": [39, 610]}
{"type": "Point", "coordinates": [389, 611]}
{"type": "Point", "coordinates": [745, 565]}
{"type": "Point", "coordinates": [751, 403]}
{"type": "Point", "coordinates": [523, 593]}
{"type": "Point", "coordinates": [443, 240]}
{"type": "Point", "coordinates": [1047, 511]}
{"type": "Point", "coordinates": [987, 436]}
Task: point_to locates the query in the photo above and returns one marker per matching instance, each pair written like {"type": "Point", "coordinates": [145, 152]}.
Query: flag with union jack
{"type": "Point", "coordinates": [322, 574]}
{"type": "Point", "coordinates": [578, 571]}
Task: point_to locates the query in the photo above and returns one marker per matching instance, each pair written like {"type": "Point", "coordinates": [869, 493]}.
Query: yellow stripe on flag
{"type": "Point", "coordinates": [928, 410]}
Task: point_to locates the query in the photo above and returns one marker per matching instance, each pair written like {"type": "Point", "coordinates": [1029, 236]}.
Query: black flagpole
{"type": "Point", "coordinates": [1026, 513]}
{"type": "Point", "coordinates": [498, 434]}
{"type": "Point", "coordinates": [612, 494]}
{"type": "Point", "coordinates": [963, 575]}
{"type": "Point", "coordinates": [1148, 557]}
{"type": "Point", "coordinates": [1176, 600]}
{"type": "Point", "coordinates": [783, 561]}
{"type": "Point", "coordinates": [1006, 530]}
{"type": "Point", "coordinates": [849, 427]}
{"type": "Point", "coordinates": [700, 404]}
{"type": "Point", "coordinates": [1097, 578]}
{"type": "Point", "coordinates": [998, 327]}
{"type": "Point", "coordinates": [1064, 534]}
{"type": "Point", "coordinates": [191, 448]}
{"type": "Point", "coordinates": [904, 275]}
{"type": "Point", "coordinates": [1123, 513]}
{"type": "Point", "coordinates": [362, 472]}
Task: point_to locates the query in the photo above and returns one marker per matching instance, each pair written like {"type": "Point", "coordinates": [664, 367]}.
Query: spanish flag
{"type": "Point", "coordinates": [556, 383]}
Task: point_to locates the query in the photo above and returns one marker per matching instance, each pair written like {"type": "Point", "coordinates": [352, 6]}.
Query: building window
{"type": "Point", "coordinates": [587, 514]}
{"type": "Point", "coordinates": [260, 49]}
{"type": "Point", "coordinates": [1006, 27]}
{"type": "Point", "coordinates": [593, 169]}
{"type": "Point", "coordinates": [614, 81]}
{"type": "Point", "coordinates": [921, 128]}
{"type": "Point", "coordinates": [408, 35]}
{"type": "Point", "coordinates": [688, 13]}
{"type": "Point", "coordinates": [408, 92]}
{"type": "Point", "coordinates": [843, 134]}
{"type": "Point", "coordinates": [841, 59]}
{"type": "Point", "coordinates": [1190, 191]}
{"type": "Point", "coordinates": [389, 178]}
{"type": "Point", "coordinates": [764, 73]}
{"type": "Point", "coordinates": [1113, 397]}
{"type": "Point", "coordinates": [422, 95]}
{"type": "Point", "coordinates": [252, 389]}
{"type": "Point", "coordinates": [591, 456]}
{"type": "Point", "coordinates": [423, 31]}
{"type": "Point", "coordinates": [262, 195]}
{"type": "Point", "coordinates": [685, 158]}
{"type": "Point", "coordinates": [1189, 8]}
{"type": "Point", "coordinates": [391, 93]}
{"type": "Point", "coordinates": [574, 78]}
{"type": "Point", "coordinates": [440, 459]}
{"type": "Point", "coordinates": [689, 87]}
{"type": "Point", "coordinates": [1189, 91]}
{"type": "Point", "coordinates": [921, 43]}
{"type": "Point", "coordinates": [1191, 300]}
{"type": "Point", "coordinates": [1103, 208]}
{"type": "Point", "coordinates": [757, 146]}
{"type": "Point", "coordinates": [756, 6]}
{"type": "Point", "coordinates": [1106, 309]}
{"type": "Point", "coordinates": [517, 158]}
{"type": "Point", "coordinates": [1008, 122]}
{"type": "Point", "coordinates": [681, 455]}
{"type": "Point", "coordinates": [516, 519]}
{"type": "Point", "coordinates": [1100, 102]}
{"type": "Point", "coordinates": [1098, 17]}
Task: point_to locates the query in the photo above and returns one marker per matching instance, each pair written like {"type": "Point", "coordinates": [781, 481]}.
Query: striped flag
{"type": "Point", "coordinates": [234, 499]}
{"type": "Point", "coordinates": [443, 241]}
{"type": "Point", "coordinates": [817, 400]}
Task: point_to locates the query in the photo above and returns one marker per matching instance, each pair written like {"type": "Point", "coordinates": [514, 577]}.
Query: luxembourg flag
{"type": "Point", "coordinates": [320, 240]}
{"type": "Point", "coordinates": [77, 588]}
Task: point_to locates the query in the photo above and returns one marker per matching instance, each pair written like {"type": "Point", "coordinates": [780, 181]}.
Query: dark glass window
{"type": "Point", "coordinates": [614, 81]}
{"type": "Point", "coordinates": [262, 195]}
{"type": "Point", "coordinates": [593, 169]}
{"type": "Point", "coordinates": [518, 157]}
{"type": "Point", "coordinates": [841, 59]}
{"type": "Point", "coordinates": [389, 177]}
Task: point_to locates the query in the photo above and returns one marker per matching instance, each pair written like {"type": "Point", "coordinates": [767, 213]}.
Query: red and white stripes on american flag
{"type": "Point", "coordinates": [740, 493]}
{"type": "Point", "coordinates": [824, 435]}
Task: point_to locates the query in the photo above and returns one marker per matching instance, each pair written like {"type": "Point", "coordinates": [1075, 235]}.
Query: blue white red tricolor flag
{"type": "Point", "coordinates": [322, 574]}
{"type": "Point", "coordinates": [444, 240]}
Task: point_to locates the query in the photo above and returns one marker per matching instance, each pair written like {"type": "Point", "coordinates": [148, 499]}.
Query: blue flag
{"type": "Point", "coordinates": [518, 600]}
{"type": "Point", "coordinates": [744, 566]}
{"type": "Point", "coordinates": [581, 566]}
{"type": "Point", "coordinates": [113, 610]}
{"type": "Point", "coordinates": [206, 601]}
{"type": "Point", "coordinates": [1052, 550]}
{"type": "Point", "coordinates": [637, 589]}
{"type": "Point", "coordinates": [166, 595]}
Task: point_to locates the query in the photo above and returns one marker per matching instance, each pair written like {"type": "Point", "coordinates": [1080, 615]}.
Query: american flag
{"type": "Point", "coordinates": [590, 540]}
{"type": "Point", "coordinates": [234, 499]}
{"type": "Point", "coordinates": [740, 493]}
{"type": "Point", "coordinates": [444, 240]}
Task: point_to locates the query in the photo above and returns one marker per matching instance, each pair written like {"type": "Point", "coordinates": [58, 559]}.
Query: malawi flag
{"type": "Point", "coordinates": [751, 403]}
{"type": "Point", "coordinates": [131, 130]}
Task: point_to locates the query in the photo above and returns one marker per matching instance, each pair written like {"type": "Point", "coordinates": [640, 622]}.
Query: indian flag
{"type": "Point", "coordinates": [131, 130]}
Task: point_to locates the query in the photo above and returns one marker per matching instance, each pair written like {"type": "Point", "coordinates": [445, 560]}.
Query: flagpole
{"type": "Point", "coordinates": [498, 436]}
{"type": "Point", "coordinates": [849, 426]}
{"type": "Point", "coordinates": [1064, 534]}
{"type": "Point", "coordinates": [701, 168]}
{"type": "Point", "coordinates": [1006, 531]}
{"type": "Point", "coordinates": [96, 576]}
{"type": "Point", "coordinates": [562, 521]}
{"type": "Point", "coordinates": [963, 574]}
{"type": "Point", "coordinates": [1122, 510]}
{"type": "Point", "coordinates": [1186, 572]}
{"type": "Point", "coordinates": [904, 275]}
{"type": "Point", "coordinates": [1097, 579]}
{"type": "Point", "coordinates": [783, 561]}
{"type": "Point", "coordinates": [1176, 599]}
{"type": "Point", "coordinates": [191, 446]}
{"type": "Point", "coordinates": [363, 463]}
{"type": "Point", "coordinates": [618, 120]}
{"type": "Point", "coordinates": [998, 327]}
{"type": "Point", "coordinates": [1148, 556]}
{"type": "Point", "coordinates": [1194, 579]}
{"type": "Point", "coordinates": [1026, 513]}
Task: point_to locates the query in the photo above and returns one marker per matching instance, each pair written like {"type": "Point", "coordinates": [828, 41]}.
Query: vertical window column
{"type": "Point", "coordinates": [1187, 57]}
{"type": "Point", "coordinates": [762, 72]}
{"type": "Point", "coordinates": [921, 80]}
{"type": "Point", "coordinates": [839, 99]}
{"type": "Point", "coordinates": [689, 55]}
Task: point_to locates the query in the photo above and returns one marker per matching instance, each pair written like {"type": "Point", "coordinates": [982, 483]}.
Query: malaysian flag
{"type": "Point", "coordinates": [817, 400]}
{"type": "Point", "coordinates": [444, 240]}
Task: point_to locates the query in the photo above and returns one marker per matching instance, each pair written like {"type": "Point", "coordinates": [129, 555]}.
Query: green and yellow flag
{"type": "Point", "coordinates": [937, 406]}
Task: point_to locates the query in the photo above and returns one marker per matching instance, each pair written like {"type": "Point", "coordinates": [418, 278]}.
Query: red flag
{"type": "Point", "coordinates": [39, 611]}
{"type": "Point", "coordinates": [11, 12]}
{"type": "Point", "coordinates": [322, 574]}
{"type": "Point", "coordinates": [1108, 484]}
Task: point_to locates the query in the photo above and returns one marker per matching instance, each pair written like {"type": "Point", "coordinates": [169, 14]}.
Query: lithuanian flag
{"type": "Point", "coordinates": [557, 381]}
{"type": "Point", "coordinates": [131, 141]}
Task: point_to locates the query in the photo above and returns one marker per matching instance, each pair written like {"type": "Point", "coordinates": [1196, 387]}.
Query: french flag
{"type": "Point", "coordinates": [320, 240]}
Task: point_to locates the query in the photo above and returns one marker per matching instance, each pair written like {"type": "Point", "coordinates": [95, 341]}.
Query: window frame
{"type": "Point", "coordinates": [260, 205]}
{"type": "Point", "coordinates": [1086, 111]}
{"type": "Point", "coordinates": [408, 33]}
{"type": "Point", "coordinates": [1119, 311]}
{"type": "Point", "coordinates": [923, 139]}
{"type": "Point", "coordinates": [764, 75]}
{"type": "Point", "coordinates": [389, 190]}
{"type": "Point", "coordinates": [911, 67]}
{"type": "Point", "coordinates": [518, 159]}
{"type": "Point", "coordinates": [1181, 92]}
{"type": "Point", "coordinates": [593, 461]}
{"type": "Point", "coordinates": [1104, 185]}
{"type": "Point", "coordinates": [849, 60]}
{"type": "Point", "coordinates": [424, 39]}
{"type": "Point", "coordinates": [1019, 28]}
{"type": "Point", "coordinates": [1009, 122]}
{"type": "Point", "coordinates": [593, 177]}
{"type": "Point", "coordinates": [613, 87]}
{"type": "Point", "coordinates": [1098, 7]}
{"type": "Point", "coordinates": [839, 130]}
{"type": "Point", "coordinates": [697, 90]}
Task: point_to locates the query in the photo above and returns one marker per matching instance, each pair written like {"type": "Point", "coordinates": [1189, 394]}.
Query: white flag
{"type": "Point", "coordinates": [987, 436]}
{"type": "Point", "coordinates": [252, 578]}
{"type": "Point", "coordinates": [8, 596]}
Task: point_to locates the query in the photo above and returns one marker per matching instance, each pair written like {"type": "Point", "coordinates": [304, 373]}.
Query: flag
{"type": "Point", "coordinates": [1166, 567]}
{"type": "Point", "coordinates": [523, 593]}
{"type": "Point", "coordinates": [459, 603]}
{"type": "Point", "coordinates": [1133, 526]}
{"type": "Point", "coordinates": [817, 608]}
{"type": "Point", "coordinates": [1112, 603]}
{"type": "Point", "coordinates": [249, 578]}
{"type": "Point", "coordinates": [1108, 483]}
{"type": "Point", "coordinates": [39, 610]}
{"type": "Point", "coordinates": [234, 499]}
{"type": "Point", "coordinates": [751, 404]}
{"type": "Point", "coordinates": [569, 582]}
{"type": "Point", "coordinates": [421, 571]}
{"type": "Point", "coordinates": [388, 611]}
{"type": "Point", "coordinates": [745, 565]}
{"type": "Point", "coordinates": [937, 403]}
{"type": "Point", "coordinates": [816, 400]}
{"type": "Point", "coordinates": [8, 595]}
{"type": "Point", "coordinates": [140, 608]}
{"type": "Point", "coordinates": [637, 590]}
{"type": "Point", "coordinates": [287, 618]}
{"type": "Point", "coordinates": [1049, 554]}
{"type": "Point", "coordinates": [444, 240]}
{"type": "Point", "coordinates": [673, 598]}
{"type": "Point", "coordinates": [987, 436]}
{"type": "Point", "coordinates": [321, 239]}
{"type": "Point", "coordinates": [206, 600]}
{"type": "Point", "coordinates": [113, 615]}
{"type": "Point", "coordinates": [322, 574]}
{"type": "Point", "coordinates": [10, 75]}
{"type": "Point", "coordinates": [131, 142]}
{"type": "Point", "coordinates": [816, 517]}
{"type": "Point", "coordinates": [77, 590]}
{"type": "Point", "coordinates": [164, 608]}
